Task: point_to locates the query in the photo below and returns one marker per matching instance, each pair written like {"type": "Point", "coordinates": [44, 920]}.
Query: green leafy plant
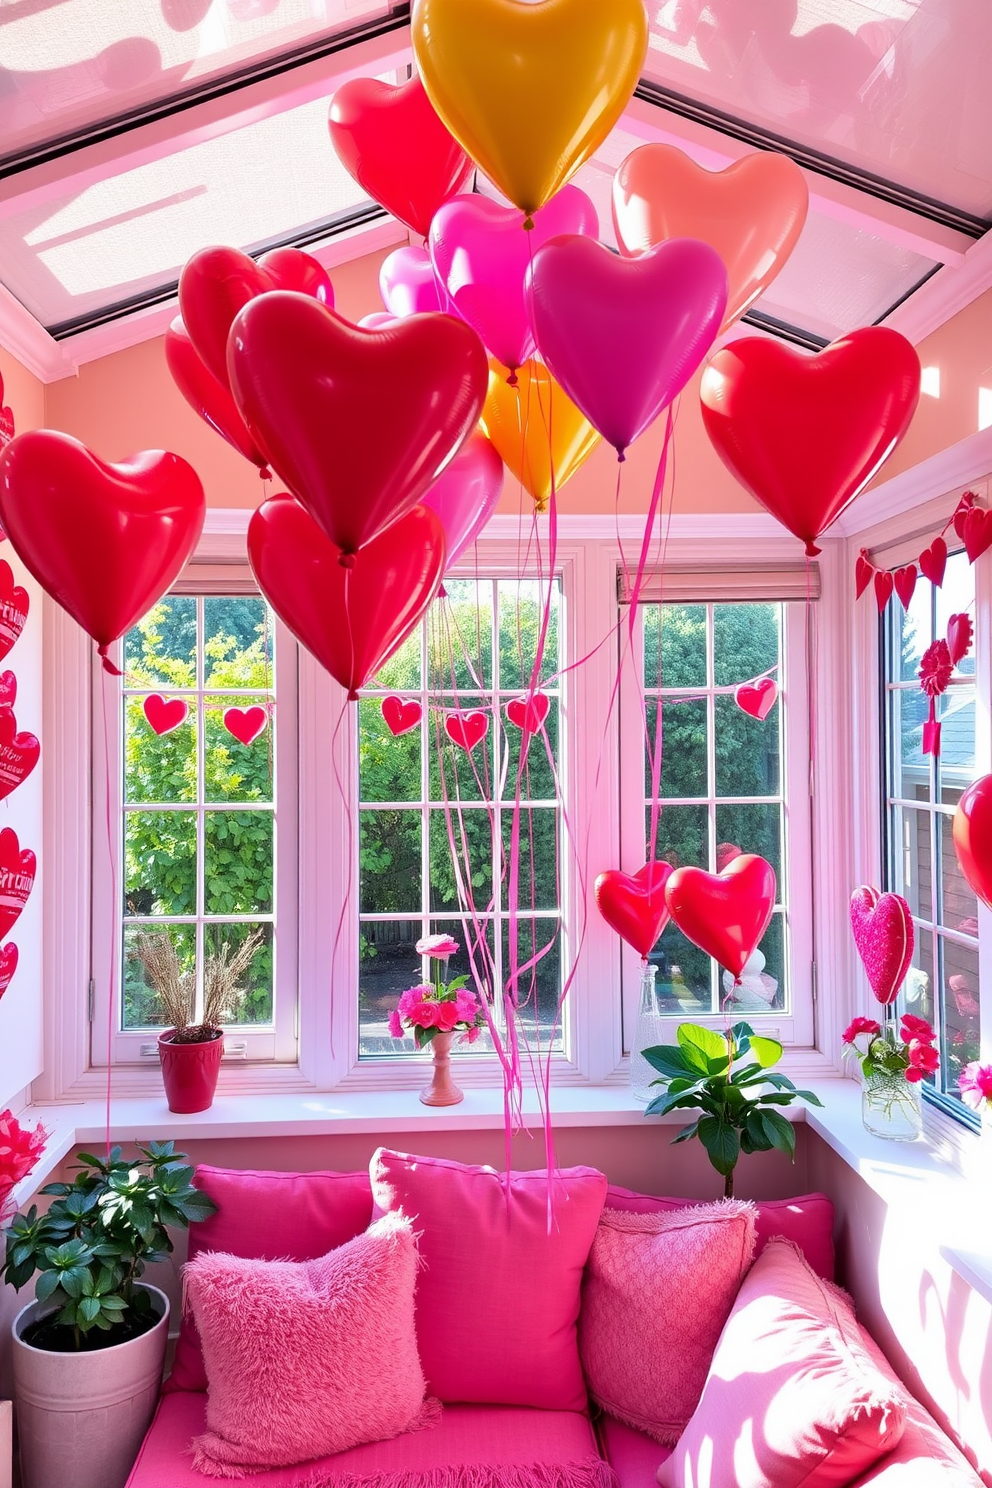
{"type": "Point", "coordinates": [94, 1242]}
{"type": "Point", "coordinates": [728, 1078]}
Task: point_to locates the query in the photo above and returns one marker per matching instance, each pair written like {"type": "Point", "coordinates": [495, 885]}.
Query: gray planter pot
{"type": "Point", "coordinates": [81, 1417]}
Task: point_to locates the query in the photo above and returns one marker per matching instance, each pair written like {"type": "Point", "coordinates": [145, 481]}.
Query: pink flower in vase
{"type": "Point", "coordinates": [467, 1005]}
{"type": "Point", "coordinates": [923, 1060]}
{"type": "Point", "coordinates": [440, 947]}
{"type": "Point", "coordinates": [395, 1025]}
{"type": "Point", "coordinates": [859, 1026]}
{"type": "Point", "coordinates": [412, 998]}
{"type": "Point", "coordinates": [445, 1016]}
{"type": "Point", "coordinates": [975, 1084]}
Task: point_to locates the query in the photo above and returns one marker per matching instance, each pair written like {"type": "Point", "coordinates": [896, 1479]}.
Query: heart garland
{"type": "Point", "coordinates": [164, 715]}
{"type": "Point", "coordinates": [245, 724]}
{"type": "Point", "coordinates": [973, 525]}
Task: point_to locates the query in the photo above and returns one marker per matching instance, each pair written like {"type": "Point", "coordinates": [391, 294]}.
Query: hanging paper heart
{"type": "Point", "coordinates": [245, 724]}
{"type": "Point", "coordinates": [15, 603]}
{"type": "Point", "coordinates": [964, 506]}
{"type": "Point", "coordinates": [976, 532]}
{"type": "Point", "coordinates": [634, 904]}
{"type": "Point", "coordinates": [904, 582]}
{"type": "Point", "coordinates": [17, 875]}
{"type": "Point", "coordinates": [537, 429]}
{"type": "Point", "coordinates": [8, 689]}
{"type": "Point", "coordinates": [466, 729]}
{"type": "Point", "coordinates": [465, 495]}
{"type": "Point", "coordinates": [884, 936]}
{"type": "Point", "coordinates": [530, 91]}
{"type": "Point", "coordinates": [529, 713]}
{"type": "Point", "coordinates": [350, 619]}
{"type": "Point", "coordinates": [933, 561]}
{"type": "Point", "coordinates": [18, 753]}
{"type": "Point", "coordinates": [960, 633]}
{"type": "Point", "coordinates": [724, 913]}
{"type": "Point", "coordinates": [358, 423]}
{"type": "Point", "coordinates": [407, 283]}
{"type": "Point", "coordinates": [751, 214]}
{"type": "Point", "coordinates": [395, 146]}
{"type": "Point", "coordinates": [624, 335]}
{"type": "Point", "coordinates": [399, 716]}
{"type": "Point", "coordinates": [863, 571]}
{"type": "Point", "coordinates": [8, 965]}
{"type": "Point", "coordinates": [972, 831]}
{"type": "Point", "coordinates": [757, 698]}
{"type": "Point", "coordinates": [205, 395]}
{"type": "Point", "coordinates": [804, 434]}
{"type": "Point", "coordinates": [884, 585]}
{"type": "Point", "coordinates": [164, 715]}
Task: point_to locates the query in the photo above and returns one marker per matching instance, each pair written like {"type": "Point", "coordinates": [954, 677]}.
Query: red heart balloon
{"type": "Point", "coordinates": [400, 717]}
{"type": "Point", "coordinates": [17, 875]}
{"type": "Point", "coordinates": [529, 713]}
{"type": "Point", "coordinates": [757, 698]}
{"type": "Point", "coordinates": [350, 619]}
{"type": "Point", "coordinates": [904, 580]}
{"type": "Point", "coordinates": [105, 541]}
{"type": "Point", "coordinates": [884, 585]}
{"type": "Point", "coordinates": [395, 146]}
{"type": "Point", "coordinates": [15, 604]}
{"type": "Point", "coordinates": [8, 965]}
{"type": "Point", "coordinates": [976, 531]}
{"type": "Point", "coordinates": [883, 933]}
{"type": "Point", "coordinates": [466, 729]}
{"type": "Point", "coordinates": [8, 689]}
{"type": "Point", "coordinates": [933, 561]}
{"type": "Point", "coordinates": [358, 423]}
{"type": "Point", "coordinates": [245, 724]}
{"type": "Point", "coordinates": [725, 913]}
{"type": "Point", "coordinates": [804, 434]}
{"type": "Point", "coordinates": [960, 633]}
{"type": "Point", "coordinates": [205, 395]}
{"type": "Point", "coordinates": [18, 753]}
{"type": "Point", "coordinates": [6, 424]}
{"type": "Point", "coordinates": [972, 831]}
{"type": "Point", "coordinates": [863, 571]}
{"type": "Point", "coordinates": [163, 716]}
{"type": "Point", "coordinates": [634, 904]}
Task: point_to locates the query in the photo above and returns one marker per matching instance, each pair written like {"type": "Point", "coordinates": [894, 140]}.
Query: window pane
{"type": "Point", "coordinates": [683, 747]}
{"type": "Point", "coordinates": [537, 779]}
{"type": "Point", "coordinates": [388, 965]}
{"type": "Point", "coordinates": [401, 673]}
{"type": "Point", "coordinates": [158, 768]}
{"type": "Point", "coordinates": [955, 596]}
{"type": "Point", "coordinates": [538, 982]}
{"type": "Point", "coordinates": [747, 750]}
{"type": "Point", "coordinates": [752, 829]}
{"type": "Point", "coordinates": [958, 903]}
{"type": "Point", "coordinates": [389, 768]}
{"type": "Point", "coordinates": [913, 876]}
{"type": "Point", "coordinates": [522, 609]}
{"type": "Point", "coordinates": [909, 766]}
{"type": "Point", "coordinates": [537, 882]}
{"type": "Point", "coordinates": [237, 968]}
{"type": "Point", "coordinates": [237, 872]}
{"type": "Point", "coordinates": [957, 765]}
{"type": "Point", "coordinates": [960, 1011]}
{"type": "Point", "coordinates": [234, 771]}
{"type": "Point", "coordinates": [389, 862]}
{"type": "Point", "coordinates": [141, 1004]}
{"type": "Point", "coordinates": [913, 631]}
{"type": "Point", "coordinates": [473, 836]}
{"type": "Point", "coordinates": [745, 641]}
{"type": "Point", "coordinates": [683, 645]}
{"type": "Point", "coordinates": [238, 641]}
{"type": "Point", "coordinates": [683, 835]}
{"type": "Point", "coordinates": [160, 863]}
{"type": "Point", "coordinates": [161, 648]}
{"type": "Point", "coordinates": [684, 974]}
{"type": "Point", "coordinates": [460, 636]}
{"type": "Point", "coordinates": [762, 988]}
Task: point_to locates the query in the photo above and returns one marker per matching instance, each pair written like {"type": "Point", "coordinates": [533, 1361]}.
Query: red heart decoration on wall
{"type": "Point", "coordinates": [18, 753]}
{"type": "Point", "coordinates": [883, 933]}
{"type": "Point", "coordinates": [961, 514]}
{"type": "Point", "coordinates": [933, 561]}
{"type": "Point", "coordinates": [15, 602]}
{"type": "Point", "coordinates": [863, 571]}
{"type": "Point", "coordinates": [904, 580]}
{"type": "Point", "coordinates": [8, 965]}
{"type": "Point", "coordinates": [466, 729]}
{"type": "Point", "coordinates": [960, 633]}
{"type": "Point", "coordinates": [884, 584]}
{"type": "Point", "coordinates": [976, 532]}
{"type": "Point", "coordinates": [725, 913]}
{"type": "Point", "coordinates": [634, 904]}
{"type": "Point", "coordinates": [163, 716]}
{"type": "Point", "coordinates": [8, 689]}
{"type": "Point", "coordinates": [529, 713]}
{"type": "Point", "coordinates": [757, 698]}
{"type": "Point", "coordinates": [400, 717]}
{"type": "Point", "coordinates": [245, 724]}
{"type": "Point", "coordinates": [972, 830]}
{"type": "Point", "coordinates": [17, 875]}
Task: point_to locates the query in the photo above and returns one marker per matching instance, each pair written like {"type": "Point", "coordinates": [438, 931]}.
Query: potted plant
{"type": "Point", "coordinates": [190, 1053]}
{"type": "Point", "coordinates": [88, 1351]}
{"type": "Point", "coordinates": [726, 1077]}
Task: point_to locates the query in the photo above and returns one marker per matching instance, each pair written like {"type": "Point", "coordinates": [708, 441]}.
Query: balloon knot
{"type": "Point", "coordinates": [442, 593]}
{"type": "Point", "coordinates": [812, 551]}
{"type": "Point", "coordinates": [621, 457]}
{"type": "Point", "coordinates": [352, 695]}
{"type": "Point", "coordinates": [264, 473]}
{"type": "Point", "coordinates": [108, 665]}
{"type": "Point", "coordinates": [540, 508]}
{"type": "Point", "coordinates": [528, 223]}
{"type": "Point", "coordinates": [513, 379]}
{"type": "Point", "coordinates": [347, 560]}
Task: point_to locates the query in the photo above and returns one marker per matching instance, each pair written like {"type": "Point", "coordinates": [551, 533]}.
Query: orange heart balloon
{"type": "Point", "coordinates": [752, 213]}
{"type": "Point", "coordinates": [536, 428]}
{"type": "Point", "coordinates": [529, 90]}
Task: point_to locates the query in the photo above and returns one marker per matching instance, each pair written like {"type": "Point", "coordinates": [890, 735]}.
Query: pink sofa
{"type": "Point", "coordinates": [274, 1215]}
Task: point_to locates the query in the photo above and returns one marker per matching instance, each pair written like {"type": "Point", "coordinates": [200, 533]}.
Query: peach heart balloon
{"type": "Point", "coordinates": [536, 428]}
{"type": "Point", "coordinates": [752, 213]}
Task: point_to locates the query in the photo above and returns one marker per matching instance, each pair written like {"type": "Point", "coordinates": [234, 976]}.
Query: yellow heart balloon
{"type": "Point", "coordinates": [529, 88]}
{"type": "Point", "coordinates": [536, 428]}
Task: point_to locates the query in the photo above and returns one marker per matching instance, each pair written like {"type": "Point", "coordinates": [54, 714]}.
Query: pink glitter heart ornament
{"type": "Point", "coordinates": [884, 936]}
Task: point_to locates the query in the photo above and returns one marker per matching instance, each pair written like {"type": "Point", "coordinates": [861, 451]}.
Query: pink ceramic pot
{"type": "Point", "coordinates": [190, 1072]}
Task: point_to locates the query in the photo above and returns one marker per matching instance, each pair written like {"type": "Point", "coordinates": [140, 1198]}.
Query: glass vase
{"type": "Point", "coordinates": [647, 1034]}
{"type": "Point", "coordinates": [891, 1106]}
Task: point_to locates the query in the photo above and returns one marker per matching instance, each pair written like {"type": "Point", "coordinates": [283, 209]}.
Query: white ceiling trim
{"type": "Point", "coordinates": [27, 340]}
{"type": "Point", "coordinates": [962, 463]}
{"type": "Point", "coordinates": [952, 289]}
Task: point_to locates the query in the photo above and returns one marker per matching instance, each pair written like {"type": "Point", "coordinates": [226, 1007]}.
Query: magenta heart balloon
{"type": "Point", "coordinates": [624, 335]}
{"type": "Point", "coordinates": [465, 496]}
{"type": "Point", "coordinates": [407, 283]}
{"type": "Point", "coordinates": [481, 253]}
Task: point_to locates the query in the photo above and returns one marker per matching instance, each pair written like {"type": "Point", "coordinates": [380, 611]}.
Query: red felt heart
{"type": "Point", "coordinates": [961, 512]}
{"type": "Point", "coordinates": [466, 729]}
{"type": "Point", "coordinates": [8, 689]}
{"type": "Point", "coordinates": [724, 913]}
{"type": "Point", "coordinates": [399, 716]}
{"type": "Point", "coordinates": [164, 716]}
{"type": "Point", "coordinates": [757, 698]}
{"type": "Point", "coordinates": [529, 713]}
{"type": "Point", "coordinates": [634, 904]}
{"type": "Point", "coordinates": [18, 753]}
{"type": "Point", "coordinates": [883, 934]}
{"type": "Point", "coordinates": [804, 434]}
{"type": "Point", "coordinates": [15, 603]}
{"type": "Point", "coordinates": [863, 571]}
{"type": "Point", "coordinates": [976, 532]}
{"type": "Point", "coordinates": [933, 561]}
{"type": "Point", "coordinates": [8, 965]}
{"type": "Point", "coordinates": [245, 724]}
{"type": "Point", "coordinates": [358, 423]}
{"type": "Point", "coordinates": [904, 580]}
{"type": "Point", "coordinates": [972, 831]}
{"type": "Point", "coordinates": [351, 619]}
{"type": "Point", "coordinates": [884, 584]}
{"type": "Point", "coordinates": [105, 541]}
{"type": "Point", "coordinates": [17, 874]}
{"type": "Point", "coordinates": [960, 633]}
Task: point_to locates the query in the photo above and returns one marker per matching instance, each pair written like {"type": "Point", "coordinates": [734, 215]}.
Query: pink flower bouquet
{"type": "Point", "coordinates": [911, 1052]}
{"type": "Point", "coordinates": [438, 1006]}
{"type": "Point", "coordinates": [20, 1149]}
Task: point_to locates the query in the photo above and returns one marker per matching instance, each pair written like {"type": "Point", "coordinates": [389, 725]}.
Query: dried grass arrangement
{"type": "Point", "coordinates": [176, 989]}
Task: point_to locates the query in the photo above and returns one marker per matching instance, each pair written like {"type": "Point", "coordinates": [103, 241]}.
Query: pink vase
{"type": "Point", "coordinates": [442, 1091]}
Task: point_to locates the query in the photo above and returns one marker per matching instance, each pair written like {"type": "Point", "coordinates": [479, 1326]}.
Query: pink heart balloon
{"type": "Point", "coordinates": [465, 496]}
{"type": "Point", "coordinates": [883, 933]}
{"type": "Point", "coordinates": [480, 254]}
{"type": "Point", "coordinates": [407, 283]}
{"type": "Point", "coordinates": [624, 335]}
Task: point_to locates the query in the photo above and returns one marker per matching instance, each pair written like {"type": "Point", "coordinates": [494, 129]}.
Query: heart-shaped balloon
{"type": "Point", "coordinates": [395, 146]}
{"type": "Point", "coordinates": [291, 268]}
{"type": "Point", "coordinates": [466, 729]}
{"type": "Point", "coordinates": [751, 213]}
{"type": "Point", "coordinates": [884, 585]}
{"type": "Point", "coordinates": [18, 753]}
{"type": "Point", "coordinates": [904, 581]}
{"type": "Point", "coordinates": [724, 913]}
{"type": "Point", "coordinates": [465, 495]}
{"type": "Point", "coordinates": [972, 831]}
{"type": "Point", "coordinates": [537, 429]}
{"type": "Point", "coordinates": [15, 603]}
{"type": "Point", "coordinates": [205, 395]}
{"type": "Point", "coordinates": [528, 714]}
{"type": "Point", "coordinates": [351, 619]}
{"type": "Point", "coordinates": [933, 561]}
{"type": "Point", "coordinates": [976, 531]}
{"type": "Point", "coordinates": [8, 965]}
{"type": "Point", "coordinates": [804, 434]}
{"type": "Point", "coordinates": [757, 698]}
{"type": "Point", "coordinates": [105, 541]}
{"type": "Point", "coordinates": [164, 715]}
{"type": "Point", "coordinates": [481, 257]}
{"type": "Point", "coordinates": [377, 320]}
{"type": "Point", "coordinates": [624, 335]}
{"type": "Point", "coordinates": [245, 724]}
{"type": "Point", "coordinates": [960, 633]}
{"type": "Point", "coordinates": [407, 283]}
{"type": "Point", "coordinates": [358, 423]}
{"type": "Point", "coordinates": [530, 91]}
{"type": "Point", "coordinates": [884, 936]}
{"type": "Point", "coordinates": [864, 571]}
{"type": "Point", "coordinates": [8, 689]}
{"type": "Point", "coordinates": [17, 875]}
{"type": "Point", "coordinates": [634, 904]}
{"type": "Point", "coordinates": [399, 716]}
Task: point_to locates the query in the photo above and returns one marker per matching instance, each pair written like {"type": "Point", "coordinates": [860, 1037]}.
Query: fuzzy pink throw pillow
{"type": "Point", "coordinates": [658, 1289]}
{"type": "Point", "coordinates": [306, 1358]}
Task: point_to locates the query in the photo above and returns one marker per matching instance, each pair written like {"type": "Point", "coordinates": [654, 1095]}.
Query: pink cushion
{"type": "Point", "coordinates": [498, 1299]}
{"type": "Point", "coordinates": [335, 1335]}
{"type": "Point", "coordinates": [808, 1220]}
{"type": "Point", "coordinates": [658, 1289]}
{"type": "Point", "coordinates": [517, 1447]}
{"type": "Point", "coordinates": [269, 1216]}
{"type": "Point", "coordinates": [792, 1397]}
{"type": "Point", "coordinates": [634, 1457]}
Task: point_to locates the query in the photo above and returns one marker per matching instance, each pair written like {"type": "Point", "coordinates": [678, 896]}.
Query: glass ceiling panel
{"type": "Point", "coordinates": [67, 64]}
{"type": "Point", "coordinates": [896, 87]}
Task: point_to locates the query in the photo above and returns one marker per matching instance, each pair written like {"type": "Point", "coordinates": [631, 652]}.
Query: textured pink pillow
{"type": "Point", "coordinates": [306, 1358]}
{"type": "Point", "coordinates": [792, 1397]}
{"type": "Point", "coordinates": [658, 1290]}
{"type": "Point", "coordinates": [498, 1298]}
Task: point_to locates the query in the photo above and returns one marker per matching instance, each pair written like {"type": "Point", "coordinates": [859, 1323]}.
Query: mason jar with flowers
{"type": "Point", "coordinates": [437, 1012]}
{"type": "Point", "coordinates": [893, 1065]}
